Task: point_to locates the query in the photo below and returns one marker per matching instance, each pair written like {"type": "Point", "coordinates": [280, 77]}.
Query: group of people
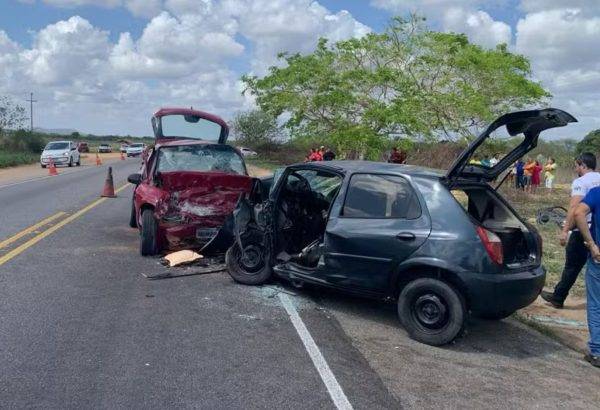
{"type": "Point", "coordinates": [581, 236]}
{"type": "Point", "coordinates": [527, 174]}
{"type": "Point", "coordinates": [321, 154]}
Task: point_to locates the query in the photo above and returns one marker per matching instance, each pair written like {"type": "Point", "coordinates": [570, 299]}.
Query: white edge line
{"type": "Point", "coordinates": [333, 387]}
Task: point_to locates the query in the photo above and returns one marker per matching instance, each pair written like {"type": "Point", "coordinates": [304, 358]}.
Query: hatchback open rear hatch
{"type": "Point", "coordinates": [529, 124]}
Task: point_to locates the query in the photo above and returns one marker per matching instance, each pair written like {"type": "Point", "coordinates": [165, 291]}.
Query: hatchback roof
{"type": "Point", "coordinates": [378, 167]}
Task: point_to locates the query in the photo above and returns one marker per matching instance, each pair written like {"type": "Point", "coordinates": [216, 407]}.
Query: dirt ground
{"type": "Point", "coordinates": [568, 325]}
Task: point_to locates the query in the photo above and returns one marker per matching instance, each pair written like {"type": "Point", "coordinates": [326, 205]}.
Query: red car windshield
{"type": "Point", "coordinates": [189, 126]}
{"type": "Point", "coordinates": [200, 158]}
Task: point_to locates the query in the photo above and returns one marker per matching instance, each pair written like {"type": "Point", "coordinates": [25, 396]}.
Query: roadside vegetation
{"type": "Point", "coordinates": [19, 146]}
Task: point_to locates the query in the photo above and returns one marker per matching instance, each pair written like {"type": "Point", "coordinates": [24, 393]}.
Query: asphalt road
{"type": "Point", "coordinates": [82, 327]}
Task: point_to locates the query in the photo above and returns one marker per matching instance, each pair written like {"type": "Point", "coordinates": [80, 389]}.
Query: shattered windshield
{"type": "Point", "coordinates": [57, 145]}
{"type": "Point", "coordinates": [190, 126]}
{"type": "Point", "coordinates": [200, 158]}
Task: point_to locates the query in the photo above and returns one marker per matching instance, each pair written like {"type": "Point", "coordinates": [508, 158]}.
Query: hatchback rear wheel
{"type": "Point", "coordinates": [432, 311]}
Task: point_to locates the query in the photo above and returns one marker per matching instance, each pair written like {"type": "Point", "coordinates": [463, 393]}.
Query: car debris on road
{"type": "Point", "coordinates": [181, 258]}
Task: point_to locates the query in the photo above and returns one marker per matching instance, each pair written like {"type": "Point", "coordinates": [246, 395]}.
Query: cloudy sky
{"type": "Point", "coordinates": [103, 66]}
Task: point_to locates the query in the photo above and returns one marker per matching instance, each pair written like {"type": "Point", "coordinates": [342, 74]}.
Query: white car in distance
{"type": "Point", "coordinates": [61, 153]}
{"type": "Point", "coordinates": [247, 152]}
{"type": "Point", "coordinates": [135, 149]}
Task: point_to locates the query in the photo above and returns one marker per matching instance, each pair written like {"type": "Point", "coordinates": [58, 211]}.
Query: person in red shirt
{"type": "Point", "coordinates": [536, 172]}
{"type": "Point", "coordinates": [397, 157]}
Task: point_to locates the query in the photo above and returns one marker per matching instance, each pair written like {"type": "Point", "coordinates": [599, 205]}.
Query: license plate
{"type": "Point", "coordinates": [206, 234]}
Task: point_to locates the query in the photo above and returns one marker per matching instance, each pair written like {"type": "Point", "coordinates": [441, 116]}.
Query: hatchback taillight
{"type": "Point", "coordinates": [492, 244]}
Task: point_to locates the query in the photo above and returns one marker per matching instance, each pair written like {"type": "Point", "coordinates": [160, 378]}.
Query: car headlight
{"type": "Point", "coordinates": [66, 154]}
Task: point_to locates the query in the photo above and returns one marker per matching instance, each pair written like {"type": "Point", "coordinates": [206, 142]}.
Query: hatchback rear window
{"type": "Point", "coordinates": [189, 126]}
{"type": "Point", "coordinates": [200, 158]}
{"type": "Point", "coordinates": [380, 196]}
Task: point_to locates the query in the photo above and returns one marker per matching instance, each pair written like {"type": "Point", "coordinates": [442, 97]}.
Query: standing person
{"type": "Point", "coordinates": [575, 251]}
{"type": "Point", "coordinates": [397, 156]}
{"type": "Point", "coordinates": [528, 173]}
{"type": "Point", "coordinates": [519, 171]}
{"type": "Point", "coordinates": [591, 204]}
{"type": "Point", "coordinates": [486, 161]}
{"type": "Point", "coordinates": [549, 170]}
{"type": "Point", "coordinates": [536, 177]}
{"type": "Point", "coordinates": [328, 155]}
{"type": "Point", "coordinates": [313, 155]}
{"type": "Point", "coordinates": [494, 160]}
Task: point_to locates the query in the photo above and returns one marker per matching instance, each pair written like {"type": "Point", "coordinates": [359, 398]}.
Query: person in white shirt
{"type": "Point", "coordinates": [576, 251]}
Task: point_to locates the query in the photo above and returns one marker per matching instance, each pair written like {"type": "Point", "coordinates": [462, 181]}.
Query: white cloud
{"type": "Point", "coordinates": [479, 26]}
{"type": "Point", "coordinates": [66, 51]}
{"type": "Point", "coordinates": [172, 47]}
{"type": "Point", "coordinates": [288, 25]}
{"type": "Point", "coordinates": [460, 16]}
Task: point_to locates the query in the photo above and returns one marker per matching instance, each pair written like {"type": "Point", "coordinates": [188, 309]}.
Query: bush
{"type": "Point", "coordinates": [11, 159]}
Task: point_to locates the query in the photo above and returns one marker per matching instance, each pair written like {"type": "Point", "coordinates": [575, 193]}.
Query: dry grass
{"type": "Point", "coordinates": [527, 206]}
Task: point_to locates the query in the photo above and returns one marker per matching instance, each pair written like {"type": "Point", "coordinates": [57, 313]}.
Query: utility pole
{"type": "Point", "coordinates": [31, 101]}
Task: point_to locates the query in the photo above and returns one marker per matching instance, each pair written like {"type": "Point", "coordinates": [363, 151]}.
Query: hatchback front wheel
{"type": "Point", "coordinates": [432, 311]}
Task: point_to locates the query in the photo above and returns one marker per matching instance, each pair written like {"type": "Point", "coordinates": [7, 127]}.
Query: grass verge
{"type": "Point", "coordinates": [11, 159]}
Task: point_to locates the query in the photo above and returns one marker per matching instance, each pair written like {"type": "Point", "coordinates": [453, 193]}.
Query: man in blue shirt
{"type": "Point", "coordinates": [591, 236]}
{"type": "Point", "coordinates": [520, 168]}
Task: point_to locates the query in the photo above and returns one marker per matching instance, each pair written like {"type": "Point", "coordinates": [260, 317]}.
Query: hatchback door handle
{"type": "Point", "coordinates": [406, 236]}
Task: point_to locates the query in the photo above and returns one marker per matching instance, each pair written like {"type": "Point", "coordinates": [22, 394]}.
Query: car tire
{"type": "Point", "coordinates": [149, 234]}
{"type": "Point", "coordinates": [43, 166]}
{"type": "Point", "coordinates": [70, 162]}
{"type": "Point", "coordinates": [132, 216]}
{"type": "Point", "coordinates": [255, 270]}
{"type": "Point", "coordinates": [495, 315]}
{"type": "Point", "coordinates": [78, 163]}
{"type": "Point", "coordinates": [432, 311]}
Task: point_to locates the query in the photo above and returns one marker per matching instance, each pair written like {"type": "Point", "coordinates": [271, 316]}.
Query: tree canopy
{"type": "Point", "coordinates": [255, 128]}
{"type": "Point", "coordinates": [590, 143]}
{"type": "Point", "coordinates": [408, 81]}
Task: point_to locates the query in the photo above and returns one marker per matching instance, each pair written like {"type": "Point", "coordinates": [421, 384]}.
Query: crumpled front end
{"type": "Point", "coordinates": [197, 206]}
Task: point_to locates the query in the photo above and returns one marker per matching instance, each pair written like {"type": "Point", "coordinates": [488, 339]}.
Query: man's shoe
{"type": "Point", "coordinates": [593, 360]}
{"type": "Point", "coordinates": [549, 297]}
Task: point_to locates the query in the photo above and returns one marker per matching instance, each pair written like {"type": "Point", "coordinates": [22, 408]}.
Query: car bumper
{"type": "Point", "coordinates": [504, 293]}
{"type": "Point", "coordinates": [134, 153]}
{"type": "Point", "coordinates": [57, 161]}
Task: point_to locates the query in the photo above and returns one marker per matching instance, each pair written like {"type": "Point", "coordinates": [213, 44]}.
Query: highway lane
{"type": "Point", "coordinates": [82, 328]}
{"type": "Point", "coordinates": [28, 202]}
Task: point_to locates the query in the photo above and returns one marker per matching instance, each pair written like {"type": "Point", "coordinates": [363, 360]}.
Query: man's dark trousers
{"type": "Point", "coordinates": [575, 258]}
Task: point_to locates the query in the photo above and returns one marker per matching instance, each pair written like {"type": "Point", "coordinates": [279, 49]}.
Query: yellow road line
{"type": "Point", "coordinates": [54, 228]}
{"type": "Point", "coordinates": [32, 228]}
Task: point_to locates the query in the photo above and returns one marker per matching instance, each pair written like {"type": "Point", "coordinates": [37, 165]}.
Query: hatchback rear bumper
{"type": "Point", "coordinates": [491, 294]}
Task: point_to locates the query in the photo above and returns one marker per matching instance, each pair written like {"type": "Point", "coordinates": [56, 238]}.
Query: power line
{"type": "Point", "coordinates": [31, 101]}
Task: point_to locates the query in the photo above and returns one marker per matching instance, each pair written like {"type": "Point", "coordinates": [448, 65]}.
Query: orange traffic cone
{"type": "Point", "coordinates": [109, 187]}
{"type": "Point", "coordinates": [52, 168]}
{"type": "Point", "coordinates": [98, 160]}
{"type": "Point", "coordinates": [122, 157]}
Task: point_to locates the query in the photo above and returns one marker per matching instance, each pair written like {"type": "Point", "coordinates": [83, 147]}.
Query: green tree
{"type": "Point", "coordinates": [407, 81]}
{"type": "Point", "coordinates": [12, 115]}
{"type": "Point", "coordinates": [255, 128]}
{"type": "Point", "coordinates": [589, 143]}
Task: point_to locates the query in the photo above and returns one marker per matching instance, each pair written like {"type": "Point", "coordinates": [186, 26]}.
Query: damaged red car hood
{"type": "Point", "coordinates": [204, 194]}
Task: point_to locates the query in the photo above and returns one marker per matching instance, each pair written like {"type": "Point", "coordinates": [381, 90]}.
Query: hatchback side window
{"type": "Point", "coordinates": [380, 196]}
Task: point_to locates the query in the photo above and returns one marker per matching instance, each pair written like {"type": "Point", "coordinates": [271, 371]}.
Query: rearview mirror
{"type": "Point", "coordinates": [134, 179]}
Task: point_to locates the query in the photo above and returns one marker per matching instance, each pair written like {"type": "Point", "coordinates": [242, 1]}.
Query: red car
{"type": "Point", "coordinates": [189, 183]}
